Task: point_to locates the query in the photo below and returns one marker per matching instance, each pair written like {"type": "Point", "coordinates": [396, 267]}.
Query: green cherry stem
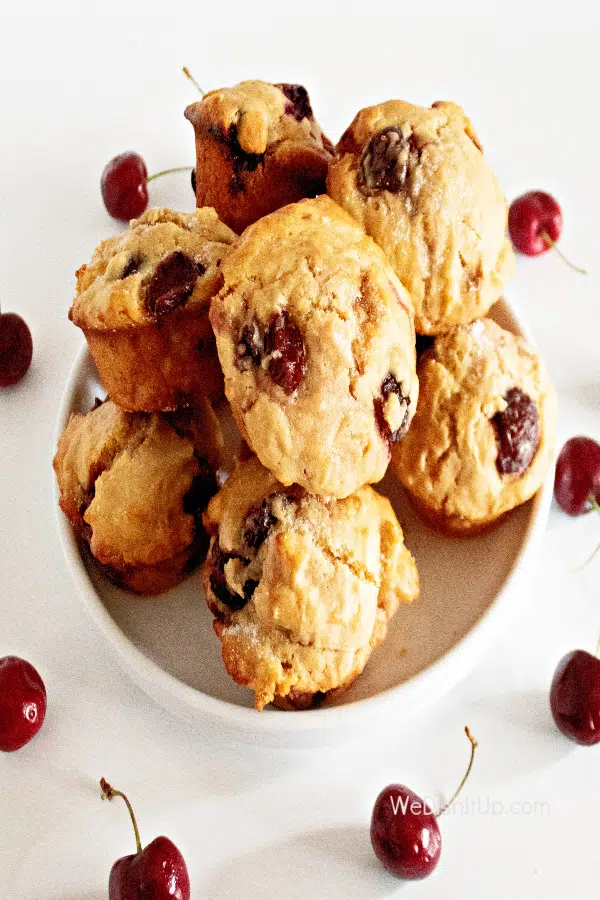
{"type": "Point", "coordinates": [447, 805]}
{"type": "Point", "coordinates": [597, 653]}
{"type": "Point", "coordinates": [108, 793]}
{"type": "Point", "coordinates": [554, 246]}
{"type": "Point", "coordinates": [189, 75]}
{"type": "Point", "coordinates": [169, 172]}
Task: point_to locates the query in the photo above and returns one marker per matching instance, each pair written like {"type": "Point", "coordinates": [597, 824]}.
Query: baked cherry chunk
{"type": "Point", "coordinates": [242, 161]}
{"type": "Point", "coordinates": [218, 581]}
{"type": "Point", "coordinates": [283, 342]}
{"type": "Point", "coordinates": [132, 266]}
{"type": "Point", "coordinates": [172, 284]}
{"type": "Point", "coordinates": [390, 385]}
{"type": "Point", "coordinates": [517, 433]}
{"type": "Point", "coordinates": [386, 160]}
{"type": "Point", "coordinates": [250, 348]}
{"type": "Point", "coordinates": [258, 524]}
{"type": "Point", "coordinates": [298, 104]}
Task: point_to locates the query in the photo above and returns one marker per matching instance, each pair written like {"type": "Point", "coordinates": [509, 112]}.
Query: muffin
{"type": "Point", "coordinates": [258, 147]}
{"type": "Point", "coordinates": [482, 439]}
{"type": "Point", "coordinates": [134, 487]}
{"type": "Point", "coordinates": [142, 303]}
{"type": "Point", "coordinates": [302, 589]}
{"type": "Point", "coordinates": [417, 180]}
{"type": "Point", "coordinates": [316, 339]}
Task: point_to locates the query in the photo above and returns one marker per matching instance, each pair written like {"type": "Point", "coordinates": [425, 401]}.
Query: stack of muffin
{"type": "Point", "coordinates": [313, 310]}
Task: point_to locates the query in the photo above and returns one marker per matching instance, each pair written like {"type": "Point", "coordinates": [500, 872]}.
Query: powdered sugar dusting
{"type": "Point", "coordinates": [247, 630]}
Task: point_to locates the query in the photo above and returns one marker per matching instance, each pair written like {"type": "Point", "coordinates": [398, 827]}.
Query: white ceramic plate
{"type": "Point", "coordinates": [168, 647]}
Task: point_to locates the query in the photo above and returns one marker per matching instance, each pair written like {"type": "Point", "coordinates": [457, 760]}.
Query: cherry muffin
{"type": "Point", "coordinates": [316, 339]}
{"type": "Point", "coordinates": [302, 589]}
{"type": "Point", "coordinates": [142, 303]}
{"type": "Point", "coordinates": [258, 147]}
{"type": "Point", "coordinates": [482, 439]}
{"type": "Point", "coordinates": [134, 487]}
{"type": "Point", "coordinates": [417, 180]}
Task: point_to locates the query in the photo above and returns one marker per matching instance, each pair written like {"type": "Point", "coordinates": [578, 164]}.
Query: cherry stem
{"type": "Point", "coordinates": [597, 653]}
{"type": "Point", "coordinates": [108, 793]}
{"type": "Point", "coordinates": [554, 246]}
{"type": "Point", "coordinates": [465, 776]}
{"type": "Point", "coordinates": [189, 75]}
{"type": "Point", "coordinates": [596, 507]}
{"type": "Point", "coordinates": [169, 172]}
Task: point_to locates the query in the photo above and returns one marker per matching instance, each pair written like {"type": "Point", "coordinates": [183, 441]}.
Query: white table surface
{"type": "Point", "coordinates": [77, 89]}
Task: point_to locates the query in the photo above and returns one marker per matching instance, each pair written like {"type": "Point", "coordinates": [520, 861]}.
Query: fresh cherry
{"type": "Point", "coordinates": [575, 697]}
{"type": "Point", "coordinates": [577, 478]}
{"type": "Point", "coordinates": [405, 833]}
{"type": "Point", "coordinates": [124, 185]}
{"type": "Point", "coordinates": [158, 872]}
{"type": "Point", "coordinates": [22, 703]}
{"type": "Point", "coordinates": [16, 348]}
{"type": "Point", "coordinates": [535, 225]}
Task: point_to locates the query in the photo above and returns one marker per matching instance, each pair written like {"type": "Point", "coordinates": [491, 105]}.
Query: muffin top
{"type": "Point", "coordinates": [302, 588]}
{"type": "Point", "coordinates": [255, 115]}
{"type": "Point", "coordinates": [166, 261]}
{"type": "Point", "coordinates": [135, 484]}
{"type": "Point", "coordinates": [482, 438]}
{"type": "Point", "coordinates": [315, 336]}
{"type": "Point", "coordinates": [418, 181]}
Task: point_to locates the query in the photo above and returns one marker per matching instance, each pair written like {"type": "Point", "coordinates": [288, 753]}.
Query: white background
{"type": "Point", "coordinates": [77, 86]}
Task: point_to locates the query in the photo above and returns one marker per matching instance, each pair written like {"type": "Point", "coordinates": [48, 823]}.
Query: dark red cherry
{"type": "Point", "coordinates": [577, 478]}
{"type": "Point", "coordinates": [22, 703]}
{"type": "Point", "coordinates": [530, 217]}
{"type": "Point", "coordinates": [287, 366]}
{"type": "Point", "coordinates": [124, 186]}
{"type": "Point", "coordinates": [16, 349]}
{"type": "Point", "coordinates": [535, 225]}
{"type": "Point", "coordinates": [158, 872]}
{"type": "Point", "coordinates": [405, 833]}
{"type": "Point", "coordinates": [575, 697]}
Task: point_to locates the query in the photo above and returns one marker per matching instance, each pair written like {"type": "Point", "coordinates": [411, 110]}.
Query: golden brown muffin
{"type": "Point", "coordinates": [316, 339]}
{"type": "Point", "coordinates": [302, 589]}
{"type": "Point", "coordinates": [482, 439]}
{"type": "Point", "coordinates": [142, 303]}
{"type": "Point", "coordinates": [134, 486]}
{"type": "Point", "coordinates": [417, 180]}
{"type": "Point", "coordinates": [258, 147]}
